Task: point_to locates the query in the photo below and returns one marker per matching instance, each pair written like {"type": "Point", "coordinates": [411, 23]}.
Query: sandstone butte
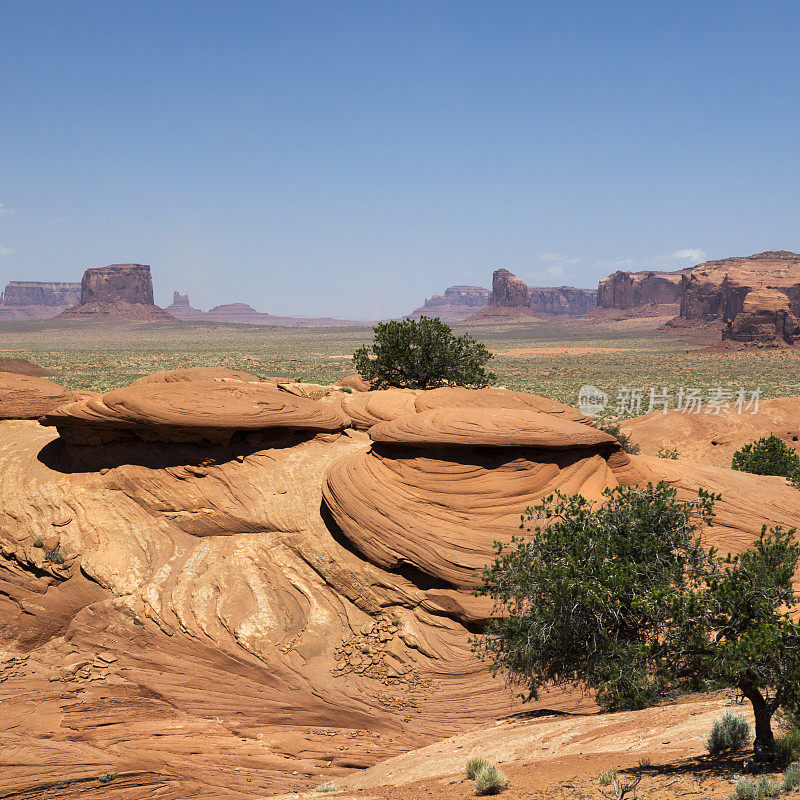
{"type": "Point", "coordinates": [511, 298]}
{"type": "Point", "coordinates": [258, 595]}
{"type": "Point", "coordinates": [118, 291]}
{"type": "Point", "coordinates": [37, 299]}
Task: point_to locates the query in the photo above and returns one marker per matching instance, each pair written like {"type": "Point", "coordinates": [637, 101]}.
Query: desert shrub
{"type": "Point", "coordinates": [490, 781]}
{"type": "Point", "coordinates": [791, 778]}
{"type": "Point", "coordinates": [475, 765]}
{"type": "Point", "coordinates": [422, 355]}
{"type": "Point", "coordinates": [607, 778]}
{"type": "Point", "coordinates": [346, 389]}
{"type": "Point", "coordinates": [107, 777]}
{"type": "Point", "coordinates": [614, 429]}
{"type": "Point", "coordinates": [324, 788]}
{"type": "Point", "coordinates": [788, 746]}
{"type": "Point", "coordinates": [38, 542]}
{"type": "Point", "coordinates": [729, 733]}
{"type": "Point", "coordinates": [768, 456]}
{"type": "Point", "coordinates": [623, 600]}
{"type": "Point", "coordinates": [667, 452]}
{"type": "Point", "coordinates": [54, 556]}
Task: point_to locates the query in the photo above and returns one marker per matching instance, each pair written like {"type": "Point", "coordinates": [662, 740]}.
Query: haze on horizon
{"type": "Point", "coordinates": [352, 159]}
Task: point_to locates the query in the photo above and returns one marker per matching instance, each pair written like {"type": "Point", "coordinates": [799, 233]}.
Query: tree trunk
{"type": "Point", "coordinates": [764, 745]}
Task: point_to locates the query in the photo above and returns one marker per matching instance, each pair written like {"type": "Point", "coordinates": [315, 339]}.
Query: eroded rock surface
{"type": "Point", "coordinates": [198, 618]}
{"type": "Point", "coordinates": [766, 319]}
{"type": "Point", "coordinates": [626, 290]}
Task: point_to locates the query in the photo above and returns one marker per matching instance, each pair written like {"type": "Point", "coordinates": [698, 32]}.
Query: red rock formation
{"type": "Point", "coordinates": [626, 290]}
{"type": "Point", "coordinates": [511, 297]}
{"type": "Point", "coordinates": [765, 320]}
{"type": "Point", "coordinates": [28, 397]}
{"type": "Point", "coordinates": [37, 299]}
{"type": "Point", "coordinates": [716, 290]}
{"type": "Point", "coordinates": [455, 305]}
{"type": "Point", "coordinates": [508, 290]}
{"type": "Point", "coordinates": [117, 291]}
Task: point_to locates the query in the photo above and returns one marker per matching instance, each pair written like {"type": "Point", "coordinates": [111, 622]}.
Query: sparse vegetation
{"type": "Point", "coordinates": [38, 542]}
{"type": "Point", "coordinates": [621, 789]}
{"type": "Point", "coordinates": [324, 788]}
{"type": "Point", "coordinates": [607, 778]}
{"type": "Point", "coordinates": [475, 765]}
{"type": "Point", "coordinates": [623, 600]}
{"type": "Point", "coordinates": [732, 732]}
{"type": "Point", "coordinates": [791, 778]}
{"type": "Point", "coordinates": [422, 354]}
{"type": "Point", "coordinates": [490, 780]}
{"type": "Point", "coordinates": [667, 452]}
{"type": "Point", "coordinates": [107, 777]}
{"type": "Point", "coordinates": [54, 556]}
{"type": "Point", "coordinates": [614, 429]}
{"type": "Point", "coordinates": [769, 456]}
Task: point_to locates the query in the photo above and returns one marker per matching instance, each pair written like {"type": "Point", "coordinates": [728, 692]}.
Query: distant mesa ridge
{"type": "Point", "coordinates": [37, 299]}
{"type": "Point", "coordinates": [511, 297]}
{"type": "Point", "coordinates": [626, 290]}
{"type": "Point", "coordinates": [455, 305]}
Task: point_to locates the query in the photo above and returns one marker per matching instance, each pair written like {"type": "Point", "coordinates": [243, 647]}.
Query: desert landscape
{"type": "Point", "coordinates": [399, 401]}
{"type": "Point", "coordinates": [230, 569]}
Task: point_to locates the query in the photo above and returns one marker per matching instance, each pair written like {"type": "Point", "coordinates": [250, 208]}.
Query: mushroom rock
{"type": "Point", "coordinates": [493, 397]}
{"type": "Point", "coordinates": [439, 487]}
{"type": "Point", "coordinates": [190, 411]}
{"type": "Point", "coordinates": [450, 426]}
{"type": "Point", "coordinates": [200, 374]}
{"type": "Point", "coordinates": [28, 396]}
{"type": "Point", "coordinates": [366, 409]}
{"type": "Point", "coordinates": [765, 319]}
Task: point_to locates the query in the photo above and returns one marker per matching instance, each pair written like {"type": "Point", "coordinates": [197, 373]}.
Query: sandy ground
{"type": "Point", "coordinates": [563, 756]}
{"type": "Point", "coordinates": [518, 352]}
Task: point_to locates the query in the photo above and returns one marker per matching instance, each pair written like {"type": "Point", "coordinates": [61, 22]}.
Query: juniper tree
{"type": "Point", "coordinates": [623, 600]}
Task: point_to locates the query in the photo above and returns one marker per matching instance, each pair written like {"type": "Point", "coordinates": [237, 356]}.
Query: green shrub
{"type": "Point", "coordinates": [614, 429]}
{"type": "Point", "coordinates": [475, 765]}
{"type": "Point", "coordinates": [667, 452]}
{"type": "Point", "coordinates": [607, 778]}
{"type": "Point", "coordinates": [324, 788]}
{"type": "Point", "coordinates": [791, 778]}
{"type": "Point", "coordinates": [38, 542]}
{"type": "Point", "coordinates": [422, 355]}
{"type": "Point", "coordinates": [768, 456]}
{"type": "Point", "coordinates": [768, 787]}
{"type": "Point", "coordinates": [107, 777]}
{"type": "Point", "coordinates": [490, 781]}
{"type": "Point", "coordinates": [54, 556]}
{"type": "Point", "coordinates": [729, 733]}
{"type": "Point", "coordinates": [346, 389]}
{"type": "Point", "coordinates": [787, 747]}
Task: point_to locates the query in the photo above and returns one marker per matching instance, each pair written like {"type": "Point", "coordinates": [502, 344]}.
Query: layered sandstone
{"type": "Point", "coordinates": [213, 627]}
{"type": "Point", "coordinates": [455, 305]}
{"type": "Point", "coordinates": [37, 299]}
{"type": "Point", "coordinates": [627, 290]}
{"type": "Point", "coordinates": [512, 297]}
{"type": "Point", "coordinates": [766, 319]}
{"type": "Point", "coordinates": [716, 290]}
{"type": "Point", "coordinates": [117, 291]}
{"type": "Point", "coordinates": [28, 397]}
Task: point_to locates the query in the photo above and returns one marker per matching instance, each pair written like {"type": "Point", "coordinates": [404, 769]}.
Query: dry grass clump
{"type": "Point", "coordinates": [490, 781]}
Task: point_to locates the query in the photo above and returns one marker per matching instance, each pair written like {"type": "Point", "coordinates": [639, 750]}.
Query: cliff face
{"type": "Point", "coordinates": [635, 289]}
{"type": "Point", "coordinates": [456, 304]}
{"type": "Point", "coordinates": [511, 296]}
{"type": "Point", "coordinates": [40, 293]}
{"type": "Point", "coordinates": [717, 289]}
{"type": "Point", "coordinates": [37, 299]}
{"type": "Point", "coordinates": [117, 291]}
{"type": "Point", "coordinates": [765, 320]}
{"type": "Point", "coordinates": [561, 300]}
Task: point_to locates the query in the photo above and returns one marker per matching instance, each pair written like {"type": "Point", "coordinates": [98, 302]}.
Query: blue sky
{"type": "Point", "coordinates": [352, 158]}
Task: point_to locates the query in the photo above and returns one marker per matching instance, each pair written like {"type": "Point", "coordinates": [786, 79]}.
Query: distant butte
{"type": "Point", "coordinates": [118, 291]}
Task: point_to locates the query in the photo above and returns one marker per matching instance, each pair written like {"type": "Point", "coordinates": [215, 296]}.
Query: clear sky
{"type": "Point", "coordinates": [352, 158]}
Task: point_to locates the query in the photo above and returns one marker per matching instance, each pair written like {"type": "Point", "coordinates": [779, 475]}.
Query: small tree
{"type": "Point", "coordinates": [768, 456]}
{"type": "Point", "coordinates": [624, 601]}
{"type": "Point", "coordinates": [422, 355]}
